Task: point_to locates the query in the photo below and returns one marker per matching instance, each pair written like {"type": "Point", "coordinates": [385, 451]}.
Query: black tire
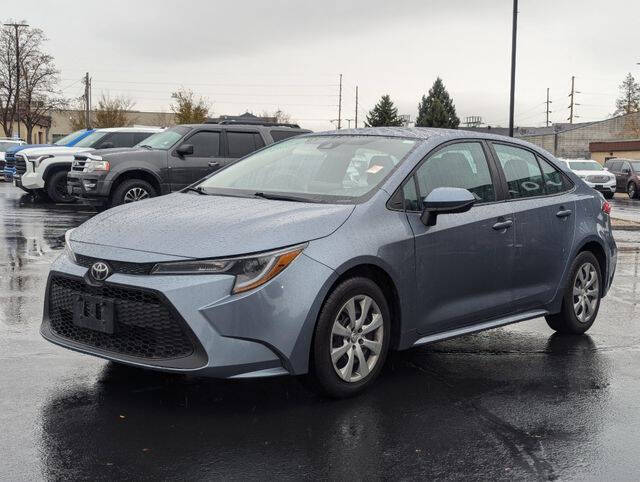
{"type": "Point", "coordinates": [632, 190]}
{"type": "Point", "coordinates": [56, 188]}
{"type": "Point", "coordinates": [608, 195]}
{"type": "Point", "coordinates": [123, 193]}
{"type": "Point", "coordinates": [323, 377]}
{"type": "Point", "coordinates": [568, 321]}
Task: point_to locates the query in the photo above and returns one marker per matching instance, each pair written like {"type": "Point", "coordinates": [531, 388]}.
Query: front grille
{"type": "Point", "coordinates": [117, 266]}
{"type": "Point", "coordinates": [78, 163]}
{"type": "Point", "coordinates": [598, 179]}
{"type": "Point", "coordinates": [144, 326]}
{"type": "Point", "coordinates": [21, 165]}
{"type": "Point", "coordinates": [10, 160]}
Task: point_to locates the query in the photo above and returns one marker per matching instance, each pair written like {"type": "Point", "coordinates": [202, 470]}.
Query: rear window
{"type": "Point", "coordinates": [282, 135]}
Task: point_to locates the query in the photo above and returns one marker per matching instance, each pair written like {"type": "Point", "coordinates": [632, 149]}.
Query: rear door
{"type": "Point", "coordinates": [543, 205]}
{"type": "Point", "coordinates": [206, 157]}
{"type": "Point", "coordinates": [241, 143]}
{"type": "Point", "coordinates": [464, 262]}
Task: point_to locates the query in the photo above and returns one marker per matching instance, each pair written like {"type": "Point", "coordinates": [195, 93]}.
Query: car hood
{"type": "Point", "coordinates": [195, 226]}
{"type": "Point", "coordinates": [594, 173]}
{"type": "Point", "coordinates": [53, 150]}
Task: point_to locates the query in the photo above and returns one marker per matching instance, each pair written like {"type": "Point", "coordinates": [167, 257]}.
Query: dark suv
{"type": "Point", "coordinates": [627, 172]}
{"type": "Point", "coordinates": [168, 161]}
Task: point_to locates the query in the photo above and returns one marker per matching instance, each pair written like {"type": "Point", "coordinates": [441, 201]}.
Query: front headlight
{"type": "Point", "coordinates": [92, 166]}
{"type": "Point", "coordinates": [250, 271]}
{"type": "Point", "coordinates": [67, 245]}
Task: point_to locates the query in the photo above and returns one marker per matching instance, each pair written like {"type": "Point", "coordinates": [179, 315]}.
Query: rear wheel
{"type": "Point", "coordinates": [57, 188]}
{"type": "Point", "coordinates": [351, 338]}
{"type": "Point", "coordinates": [632, 190]}
{"type": "Point", "coordinates": [581, 300]}
{"type": "Point", "coordinates": [132, 190]}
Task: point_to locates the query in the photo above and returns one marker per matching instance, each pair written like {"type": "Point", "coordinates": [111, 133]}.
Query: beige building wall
{"type": "Point", "coordinates": [39, 135]}
{"type": "Point", "coordinates": [603, 156]}
{"type": "Point", "coordinates": [61, 121]}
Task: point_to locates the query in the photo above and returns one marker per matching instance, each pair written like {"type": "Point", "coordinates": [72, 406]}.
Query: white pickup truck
{"type": "Point", "coordinates": [45, 168]}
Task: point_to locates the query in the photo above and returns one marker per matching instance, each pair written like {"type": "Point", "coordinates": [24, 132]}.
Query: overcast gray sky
{"type": "Point", "coordinates": [261, 55]}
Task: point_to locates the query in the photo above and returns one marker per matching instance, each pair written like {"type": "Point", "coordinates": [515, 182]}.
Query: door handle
{"type": "Point", "coordinates": [214, 165]}
{"type": "Point", "coordinates": [564, 213]}
{"type": "Point", "coordinates": [499, 226]}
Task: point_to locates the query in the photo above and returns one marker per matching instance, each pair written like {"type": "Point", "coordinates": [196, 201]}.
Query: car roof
{"type": "Point", "coordinates": [129, 129]}
{"type": "Point", "coordinates": [244, 127]}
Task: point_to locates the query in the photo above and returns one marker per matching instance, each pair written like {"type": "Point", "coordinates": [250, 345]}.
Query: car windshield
{"type": "Point", "coordinates": [585, 166]}
{"type": "Point", "coordinates": [91, 139]}
{"type": "Point", "coordinates": [315, 169]}
{"type": "Point", "coordinates": [165, 139]}
{"type": "Point", "coordinates": [4, 146]}
{"type": "Point", "coordinates": [68, 138]}
{"type": "Point", "coordinates": [636, 166]}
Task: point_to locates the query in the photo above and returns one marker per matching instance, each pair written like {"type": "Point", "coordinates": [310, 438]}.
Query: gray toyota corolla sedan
{"type": "Point", "coordinates": [319, 254]}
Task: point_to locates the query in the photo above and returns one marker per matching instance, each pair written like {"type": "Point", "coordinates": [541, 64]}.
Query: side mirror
{"type": "Point", "coordinates": [185, 150]}
{"type": "Point", "coordinates": [445, 200]}
{"type": "Point", "coordinates": [106, 145]}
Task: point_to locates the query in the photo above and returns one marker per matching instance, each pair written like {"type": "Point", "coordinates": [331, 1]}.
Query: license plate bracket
{"type": "Point", "coordinates": [599, 186]}
{"type": "Point", "coordinates": [94, 313]}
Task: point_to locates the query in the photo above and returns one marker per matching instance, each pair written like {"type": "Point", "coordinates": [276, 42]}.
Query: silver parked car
{"type": "Point", "coordinates": [296, 261]}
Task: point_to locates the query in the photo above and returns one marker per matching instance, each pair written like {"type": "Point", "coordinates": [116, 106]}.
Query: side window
{"type": "Point", "coordinates": [205, 144]}
{"type": "Point", "coordinates": [410, 195]}
{"type": "Point", "coordinates": [524, 178]}
{"type": "Point", "coordinates": [457, 165]}
{"type": "Point", "coordinates": [554, 182]}
{"type": "Point", "coordinates": [625, 167]}
{"type": "Point", "coordinates": [257, 139]}
{"type": "Point", "coordinates": [120, 139]}
{"type": "Point", "coordinates": [281, 135]}
{"type": "Point", "coordinates": [614, 166]}
{"type": "Point", "coordinates": [242, 143]}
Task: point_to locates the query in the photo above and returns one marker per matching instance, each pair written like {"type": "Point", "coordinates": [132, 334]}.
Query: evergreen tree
{"type": "Point", "coordinates": [384, 114]}
{"type": "Point", "coordinates": [629, 100]}
{"type": "Point", "coordinates": [437, 109]}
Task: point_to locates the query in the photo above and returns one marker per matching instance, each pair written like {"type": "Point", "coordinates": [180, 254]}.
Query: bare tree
{"type": "Point", "coordinates": [629, 100]}
{"type": "Point", "coordinates": [279, 115]}
{"type": "Point", "coordinates": [38, 81]}
{"type": "Point", "coordinates": [114, 112]}
{"type": "Point", "coordinates": [187, 109]}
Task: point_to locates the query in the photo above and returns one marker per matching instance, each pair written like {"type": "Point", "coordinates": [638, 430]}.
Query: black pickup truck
{"type": "Point", "coordinates": [168, 161]}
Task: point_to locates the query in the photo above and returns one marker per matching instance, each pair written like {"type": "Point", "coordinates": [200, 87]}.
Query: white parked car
{"type": "Point", "coordinates": [592, 173]}
{"type": "Point", "coordinates": [45, 168]}
{"type": "Point", "coordinates": [6, 144]}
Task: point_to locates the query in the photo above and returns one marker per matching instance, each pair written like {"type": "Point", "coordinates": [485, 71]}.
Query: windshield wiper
{"type": "Point", "coordinates": [146, 146]}
{"type": "Point", "coordinates": [280, 197]}
{"type": "Point", "coordinates": [199, 190]}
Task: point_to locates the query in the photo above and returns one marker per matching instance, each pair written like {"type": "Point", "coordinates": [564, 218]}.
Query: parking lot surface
{"type": "Point", "coordinates": [516, 402]}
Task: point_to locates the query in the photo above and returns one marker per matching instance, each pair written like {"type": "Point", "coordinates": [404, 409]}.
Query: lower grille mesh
{"type": "Point", "coordinates": [144, 326]}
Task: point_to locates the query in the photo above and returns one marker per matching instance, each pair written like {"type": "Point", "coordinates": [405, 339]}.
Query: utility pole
{"type": "Point", "coordinates": [16, 26]}
{"type": "Point", "coordinates": [340, 103]}
{"type": "Point", "coordinates": [514, 29]}
{"type": "Point", "coordinates": [573, 103]}
{"type": "Point", "coordinates": [356, 107]}
{"type": "Point", "coordinates": [548, 102]}
{"type": "Point", "coordinates": [87, 101]}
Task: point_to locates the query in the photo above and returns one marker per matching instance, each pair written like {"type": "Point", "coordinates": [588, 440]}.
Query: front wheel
{"type": "Point", "coordinates": [351, 338]}
{"type": "Point", "coordinates": [632, 190]}
{"type": "Point", "coordinates": [132, 190]}
{"type": "Point", "coordinates": [582, 295]}
{"type": "Point", "coordinates": [57, 188]}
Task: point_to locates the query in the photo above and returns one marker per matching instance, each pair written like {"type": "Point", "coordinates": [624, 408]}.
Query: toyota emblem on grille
{"type": "Point", "coordinates": [100, 271]}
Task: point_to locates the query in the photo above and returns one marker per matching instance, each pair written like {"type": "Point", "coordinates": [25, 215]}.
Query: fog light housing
{"type": "Point", "coordinates": [89, 185]}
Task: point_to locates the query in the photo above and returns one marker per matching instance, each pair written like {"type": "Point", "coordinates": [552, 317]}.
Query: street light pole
{"type": "Point", "coordinates": [16, 26]}
{"type": "Point", "coordinates": [513, 65]}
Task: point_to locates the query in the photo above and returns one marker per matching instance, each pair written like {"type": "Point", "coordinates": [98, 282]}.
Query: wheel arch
{"type": "Point", "coordinates": [138, 173]}
{"type": "Point", "coordinates": [51, 169]}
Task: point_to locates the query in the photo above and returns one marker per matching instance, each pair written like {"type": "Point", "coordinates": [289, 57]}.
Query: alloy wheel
{"type": "Point", "coordinates": [135, 194]}
{"type": "Point", "coordinates": [631, 191]}
{"type": "Point", "coordinates": [586, 291]}
{"type": "Point", "coordinates": [356, 338]}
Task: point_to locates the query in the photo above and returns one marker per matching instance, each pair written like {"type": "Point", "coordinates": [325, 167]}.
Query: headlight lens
{"type": "Point", "coordinates": [36, 160]}
{"type": "Point", "coordinates": [92, 166]}
{"type": "Point", "coordinates": [67, 245]}
{"type": "Point", "coordinates": [250, 271]}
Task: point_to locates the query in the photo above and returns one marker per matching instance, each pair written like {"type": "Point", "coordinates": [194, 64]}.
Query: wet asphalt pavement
{"type": "Point", "coordinates": [513, 403]}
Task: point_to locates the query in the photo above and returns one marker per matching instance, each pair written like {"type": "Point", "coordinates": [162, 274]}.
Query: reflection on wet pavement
{"type": "Point", "coordinates": [517, 402]}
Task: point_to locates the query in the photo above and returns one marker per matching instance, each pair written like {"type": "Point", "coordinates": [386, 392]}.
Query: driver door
{"type": "Point", "coordinates": [206, 158]}
{"type": "Point", "coordinates": [464, 262]}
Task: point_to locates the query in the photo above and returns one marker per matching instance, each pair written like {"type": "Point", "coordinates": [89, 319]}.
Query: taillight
{"type": "Point", "coordinates": [606, 207]}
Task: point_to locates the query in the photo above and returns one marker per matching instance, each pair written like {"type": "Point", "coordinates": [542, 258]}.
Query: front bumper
{"type": "Point", "coordinates": [264, 332]}
{"type": "Point", "coordinates": [609, 186]}
{"type": "Point", "coordinates": [89, 187]}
